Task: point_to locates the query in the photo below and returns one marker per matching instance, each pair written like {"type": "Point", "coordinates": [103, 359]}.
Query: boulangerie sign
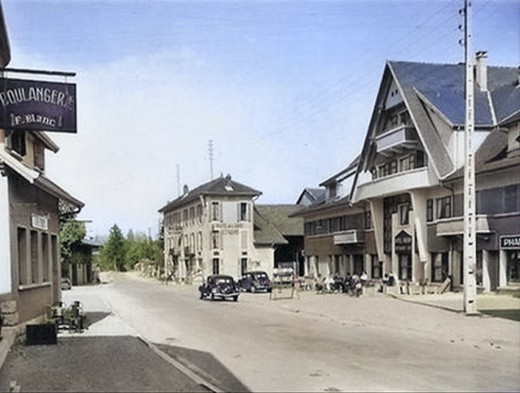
{"type": "Point", "coordinates": [37, 105]}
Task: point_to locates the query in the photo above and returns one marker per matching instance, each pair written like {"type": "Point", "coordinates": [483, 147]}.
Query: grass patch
{"type": "Point", "coordinates": [513, 314]}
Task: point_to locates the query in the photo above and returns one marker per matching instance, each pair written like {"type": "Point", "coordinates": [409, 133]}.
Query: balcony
{"type": "Point", "coordinates": [455, 226]}
{"type": "Point", "coordinates": [396, 183]}
{"type": "Point", "coordinates": [351, 236]}
{"type": "Point", "coordinates": [396, 140]}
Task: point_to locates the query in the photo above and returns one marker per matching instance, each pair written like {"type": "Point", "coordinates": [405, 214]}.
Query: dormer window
{"type": "Point", "coordinates": [18, 142]}
{"type": "Point", "coordinates": [333, 190]}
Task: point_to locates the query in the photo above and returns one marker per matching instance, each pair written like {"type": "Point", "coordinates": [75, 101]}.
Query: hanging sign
{"type": "Point", "coordinates": [37, 105]}
{"type": "Point", "coordinates": [403, 243]}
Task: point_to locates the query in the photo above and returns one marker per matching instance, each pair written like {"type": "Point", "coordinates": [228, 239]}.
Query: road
{"type": "Point", "coordinates": [365, 344]}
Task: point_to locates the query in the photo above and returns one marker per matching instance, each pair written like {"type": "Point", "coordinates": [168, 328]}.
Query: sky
{"type": "Point", "coordinates": [284, 90]}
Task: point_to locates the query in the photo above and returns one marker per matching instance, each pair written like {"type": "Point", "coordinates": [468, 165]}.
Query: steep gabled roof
{"type": "Point", "coordinates": [266, 233]}
{"type": "Point", "coordinates": [342, 174]}
{"type": "Point", "coordinates": [314, 194]}
{"type": "Point", "coordinates": [279, 217]}
{"type": "Point", "coordinates": [222, 186]}
{"type": "Point", "coordinates": [322, 206]}
{"type": "Point", "coordinates": [440, 87]}
{"type": "Point", "coordinates": [491, 155]}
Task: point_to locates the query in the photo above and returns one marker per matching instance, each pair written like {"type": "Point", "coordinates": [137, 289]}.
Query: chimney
{"type": "Point", "coordinates": [481, 70]}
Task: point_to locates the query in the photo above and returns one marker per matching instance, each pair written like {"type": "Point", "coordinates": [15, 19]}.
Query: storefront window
{"type": "Point", "coordinates": [513, 267]}
{"type": "Point", "coordinates": [405, 267]}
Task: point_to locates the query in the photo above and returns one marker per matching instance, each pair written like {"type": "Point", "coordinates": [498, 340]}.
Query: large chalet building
{"type": "Point", "coordinates": [398, 208]}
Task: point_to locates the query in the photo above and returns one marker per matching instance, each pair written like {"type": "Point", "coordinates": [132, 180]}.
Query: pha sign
{"type": "Point", "coordinates": [37, 105]}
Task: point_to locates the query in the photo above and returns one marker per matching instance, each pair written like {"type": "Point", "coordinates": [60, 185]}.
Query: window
{"type": "Point", "coordinates": [444, 207]}
{"type": "Point", "coordinates": [513, 267]}
{"type": "Point", "coordinates": [406, 163]}
{"type": "Point", "coordinates": [419, 159]}
{"type": "Point", "coordinates": [511, 199]}
{"type": "Point", "coordinates": [368, 219]}
{"type": "Point", "coordinates": [393, 167]}
{"type": "Point", "coordinates": [377, 267]}
{"type": "Point", "coordinates": [45, 256]}
{"type": "Point", "coordinates": [22, 256]}
{"type": "Point", "coordinates": [34, 258]}
{"type": "Point", "coordinates": [215, 211]}
{"type": "Point", "coordinates": [18, 142]}
{"type": "Point", "coordinates": [429, 210]}
{"type": "Point", "coordinates": [333, 190]}
{"type": "Point", "coordinates": [404, 214]}
{"type": "Point", "coordinates": [405, 267]}
{"type": "Point", "coordinates": [243, 212]}
{"type": "Point", "coordinates": [216, 266]}
{"type": "Point", "coordinates": [243, 266]}
{"type": "Point", "coordinates": [440, 265]}
{"type": "Point", "coordinates": [215, 236]}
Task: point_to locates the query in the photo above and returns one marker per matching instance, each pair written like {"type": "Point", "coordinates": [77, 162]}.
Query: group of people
{"type": "Point", "coordinates": [351, 284]}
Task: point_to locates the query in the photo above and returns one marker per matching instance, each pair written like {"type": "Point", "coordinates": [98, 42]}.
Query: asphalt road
{"type": "Point", "coordinates": [370, 344]}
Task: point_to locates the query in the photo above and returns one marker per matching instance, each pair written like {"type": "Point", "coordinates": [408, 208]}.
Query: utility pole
{"type": "Point", "coordinates": [211, 158]}
{"type": "Point", "coordinates": [470, 282]}
{"type": "Point", "coordinates": [178, 181]}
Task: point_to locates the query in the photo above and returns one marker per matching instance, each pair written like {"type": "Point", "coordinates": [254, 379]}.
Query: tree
{"type": "Point", "coordinates": [71, 235]}
{"type": "Point", "coordinates": [113, 251]}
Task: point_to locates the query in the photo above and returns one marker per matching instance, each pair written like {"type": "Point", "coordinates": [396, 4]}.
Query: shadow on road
{"type": "Point", "coordinates": [513, 314]}
{"type": "Point", "coordinates": [206, 366]}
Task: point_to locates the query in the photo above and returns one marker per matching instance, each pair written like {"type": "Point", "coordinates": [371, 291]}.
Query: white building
{"type": "Point", "coordinates": [211, 230]}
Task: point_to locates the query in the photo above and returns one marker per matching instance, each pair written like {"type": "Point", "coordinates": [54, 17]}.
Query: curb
{"type": "Point", "coordinates": [181, 367]}
{"type": "Point", "coordinates": [438, 306]}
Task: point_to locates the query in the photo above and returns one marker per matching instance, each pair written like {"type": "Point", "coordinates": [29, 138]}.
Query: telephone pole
{"type": "Point", "coordinates": [211, 158]}
{"type": "Point", "coordinates": [470, 282]}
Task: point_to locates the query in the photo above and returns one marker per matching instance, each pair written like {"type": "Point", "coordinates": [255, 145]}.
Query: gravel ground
{"type": "Point", "coordinates": [92, 364]}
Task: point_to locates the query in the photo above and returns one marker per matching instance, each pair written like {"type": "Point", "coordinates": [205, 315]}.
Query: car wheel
{"type": "Point", "coordinates": [212, 297]}
{"type": "Point", "coordinates": [235, 298]}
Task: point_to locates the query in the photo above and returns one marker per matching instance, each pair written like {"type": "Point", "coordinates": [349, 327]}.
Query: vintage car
{"type": "Point", "coordinates": [255, 281]}
{"type": "Point", "coordinates": [65, 284]}
{"type": "Point", "coordinates": [219, 286]}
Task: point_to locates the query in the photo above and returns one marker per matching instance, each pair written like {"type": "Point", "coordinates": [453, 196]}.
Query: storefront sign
{"type": "Point", "coordinates": [40, 222]}
{"type": "Point", "coordinates": [510, 242]}
{"type": "Point", "coordinates": [403, 243]}
{"type": "Point", "coordinates": [37, 105]}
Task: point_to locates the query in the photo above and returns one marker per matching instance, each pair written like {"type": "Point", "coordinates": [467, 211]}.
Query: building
{"type": "Point", "coordinates": [31, 207]}
{"type": "Point", "coordinates": [398, 208]}
{"type": "Point", "coordinates": [212, 230]}
{"type": "Point", "coordinates": [338, 236]}
{"type": "Point", "coordinates": [278, 216]}
{"type": "Point", "coordinates": [410, 172]}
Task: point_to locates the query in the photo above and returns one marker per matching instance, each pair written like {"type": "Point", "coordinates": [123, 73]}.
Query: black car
{"type": "Point", "coordinates": [256, 281]}
{"type": "Point", "coordinates": [219, 286]}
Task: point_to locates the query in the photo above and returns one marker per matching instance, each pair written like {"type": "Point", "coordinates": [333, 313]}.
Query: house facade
{"type": "Point", "coordinates": [211, 230]}
{"type": "Point", "coordinates": [31, 207]}
{"type": "Point", "coordinates": [408, 181]}
{"type": "Point", "coordinates": [338, 234]}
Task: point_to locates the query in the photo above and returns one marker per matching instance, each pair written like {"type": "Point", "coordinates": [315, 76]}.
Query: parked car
{"type": "Point", "coordinates": [219, 286]}
{"type": "Point", "coordinates": [256, 281]}
{"type": "Point", "coordinates": [65, 284]}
